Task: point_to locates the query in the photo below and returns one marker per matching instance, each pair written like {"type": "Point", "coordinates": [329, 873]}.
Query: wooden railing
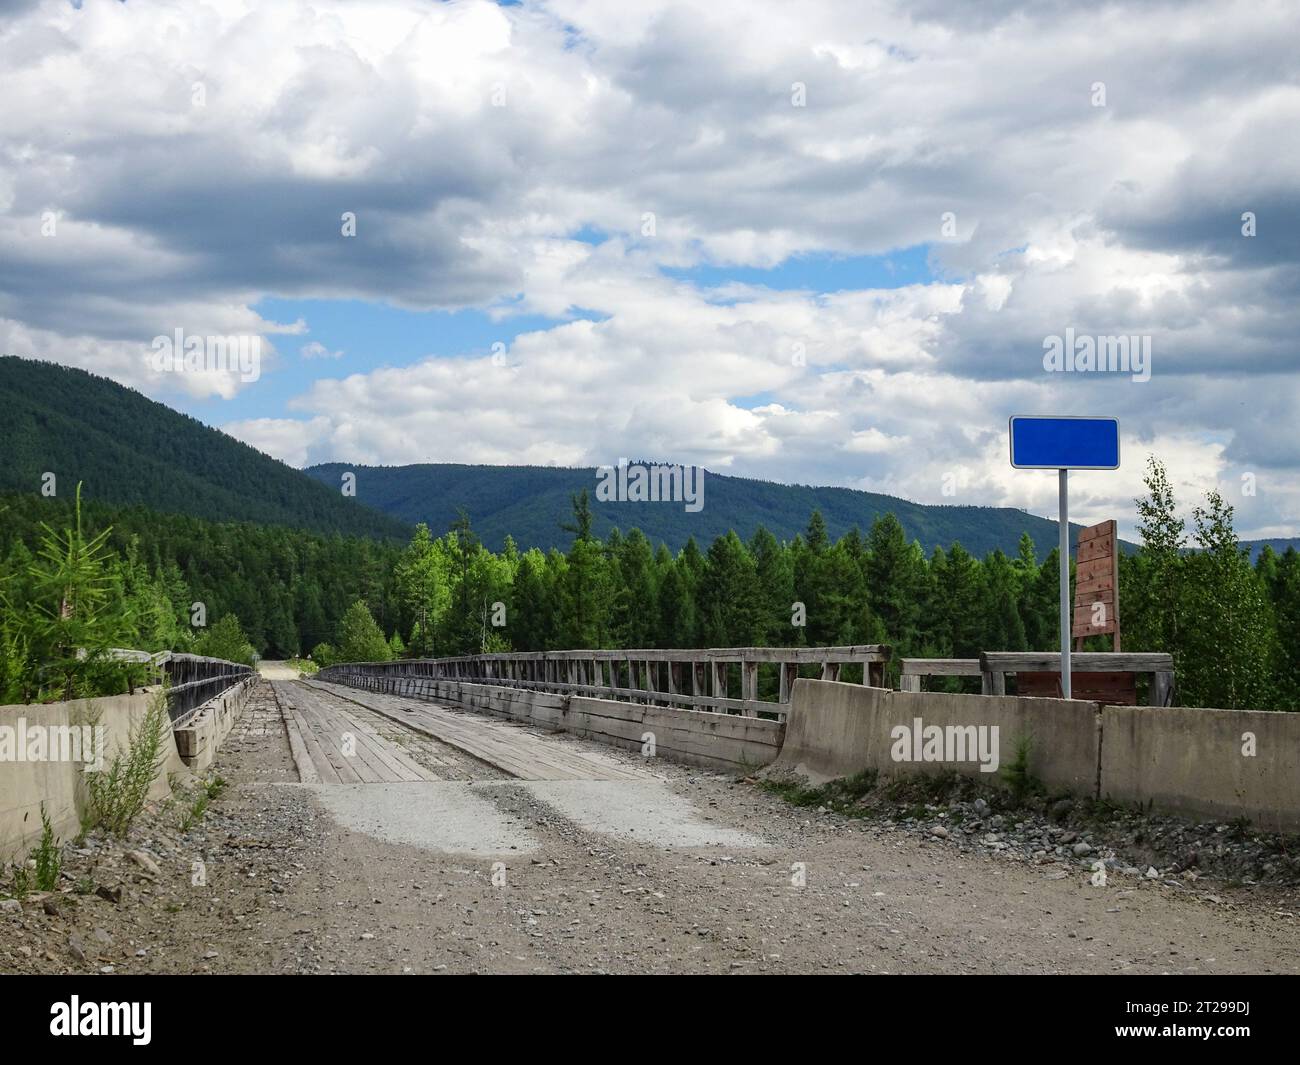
{"type": "Point", "coordinates": [193, 680]}
{"type": "Point", "coordinates": [1157, 666]}
{"type": "Point", "coordinates": [698, 679]}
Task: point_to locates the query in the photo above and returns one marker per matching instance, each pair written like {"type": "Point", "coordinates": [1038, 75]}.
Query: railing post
{"type": "Point", "coordinates": [719, 684]}
{"type": "Point", "coordinates": [749, 685]}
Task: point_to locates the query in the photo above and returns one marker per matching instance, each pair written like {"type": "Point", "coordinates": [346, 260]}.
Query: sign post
{"type": "Point", "coordinates": [1064, 443]}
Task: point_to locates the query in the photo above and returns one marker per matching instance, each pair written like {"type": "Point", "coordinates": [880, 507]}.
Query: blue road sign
{"type": "Point", "coordinates": [1064, 443]}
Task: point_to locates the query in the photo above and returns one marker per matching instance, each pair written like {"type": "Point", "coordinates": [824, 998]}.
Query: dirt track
{"type": "Point", "coordinates": [289, 889]}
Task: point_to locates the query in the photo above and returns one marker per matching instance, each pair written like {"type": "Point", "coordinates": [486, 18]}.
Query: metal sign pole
{"type": "Point", "coordinates": [1064, 476]}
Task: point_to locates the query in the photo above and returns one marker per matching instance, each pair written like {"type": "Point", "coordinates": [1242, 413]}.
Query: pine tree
{"type": "Point", "coordinates": [728, 595]}
{"type": "Point", "coordinates": [775, 576]}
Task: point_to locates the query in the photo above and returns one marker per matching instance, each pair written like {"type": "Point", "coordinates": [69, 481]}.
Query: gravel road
{"type": "Point", "coordinates": [288, 886]}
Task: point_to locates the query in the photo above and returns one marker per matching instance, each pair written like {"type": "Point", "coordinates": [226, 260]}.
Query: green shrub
{"type": "Point", "coordinates": [118, 794]}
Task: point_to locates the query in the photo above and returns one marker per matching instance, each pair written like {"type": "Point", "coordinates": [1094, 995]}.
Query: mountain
{"type": "Point", "coordinates": [129, 450]}
{"type": "Point", "coordinates": [1279, 545]}
{"type": "Point", "coordinates": [530, 503]}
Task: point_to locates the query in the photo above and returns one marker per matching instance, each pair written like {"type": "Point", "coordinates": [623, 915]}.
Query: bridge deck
{"type": "Point", "coordinates": [343, 747]}
{"type": "Point", "coordinates": [322, 715]}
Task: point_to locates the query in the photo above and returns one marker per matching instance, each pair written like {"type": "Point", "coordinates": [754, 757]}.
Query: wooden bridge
{"type": "Point", "coordinates": [720, 679]}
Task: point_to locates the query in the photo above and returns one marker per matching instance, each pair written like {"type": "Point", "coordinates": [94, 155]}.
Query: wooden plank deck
{"type": "Point", "coordinates": [521, 752]}
{"type": "Point", "coordinates": [322, 725]}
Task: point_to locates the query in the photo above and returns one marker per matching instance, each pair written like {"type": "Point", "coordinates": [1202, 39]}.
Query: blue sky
{"type": "Point", "coordinates": [372, 334]}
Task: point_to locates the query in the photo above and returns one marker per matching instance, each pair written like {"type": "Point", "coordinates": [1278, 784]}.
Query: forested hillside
{"type": "Point", "coordinates": [1224, 620]}
{"type": "Point", "coordinates": [289, 589]}
{"type": "Point", "coordinates": [127, 449]}
{"type": "Point", "coordinates": [531, 503]}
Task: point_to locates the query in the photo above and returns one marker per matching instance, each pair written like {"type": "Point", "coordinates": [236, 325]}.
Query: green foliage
{"type": "Point", "coordinates": [1208, 607]}
{"type": "Point", "coordinates": [360, 639]}
{"type": "Point", "coordinates": [1022, 784]}
{"type": "Point", "coordinates": [226, 640]}
{"type": "Point", "coordinates": [200, 801]}
{"type": "Point", "coordinates": [536, 506]}
{"type": "Point", "coordinates": [275, 592]}
{"type": "Point", "coordinates": [131, 451]}
{"type": "Point", "coordinates": [57, 644]}
{"type": "Point", "coordinates": [118, 793]}
{"type": "Point", "coordinates": [844, 795]}
{"type": "Point", "coordinates": [288, 589]}
{"type": "Point", "coordinates": [48, 856]}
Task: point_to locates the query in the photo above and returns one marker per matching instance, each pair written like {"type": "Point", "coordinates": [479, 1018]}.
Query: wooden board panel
{"type": "Point", "coordinates": [1101, 547]}
{"type": "Point", "coordinates": [1037, 661]}
{"type": "Point", "coordinates": [1087, 589]}
{"type": "Point", "coordinates": [1096, 580]}
{"type": "Point", "coordinates": [1098, 567]}
{"type": "Point", "coordinates": [1115, 689]}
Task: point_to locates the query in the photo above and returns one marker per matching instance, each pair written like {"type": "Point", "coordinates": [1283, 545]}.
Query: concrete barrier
{"type": "Point", "coordinates": [60, 783]}
{"type": "Point", "coordinates": [696, 737]}
{"type": "Point", "coordinates": [837, 730]}
{"type": "Point", "coordinates": [1193, 761]}
{"type": "Point", "coordinates": [1219, 764]}
{"type": "Point", "coordinates": [198, 740]}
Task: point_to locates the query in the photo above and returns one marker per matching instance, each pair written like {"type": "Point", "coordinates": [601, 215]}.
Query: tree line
{"type": "Point", "coordinates": [1192, 592]}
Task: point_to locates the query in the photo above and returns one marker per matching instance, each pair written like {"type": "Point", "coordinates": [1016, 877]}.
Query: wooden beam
{"type": "Point", "coordinates": [940, 667]}
{"type": "Point", "coordinates": [1092, 661]}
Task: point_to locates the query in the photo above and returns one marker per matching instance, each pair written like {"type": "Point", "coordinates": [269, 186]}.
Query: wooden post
{"type": "Point", "coordinates": [749, 685]}
{"type": "Point", "coordinates": [720, 684]}
{"type": "Point", "coordinates": [789, 673]}
{"type": "Point", "coordinates": [1161, 691]}
{"type": "Point", "coordinates": [830, 671]}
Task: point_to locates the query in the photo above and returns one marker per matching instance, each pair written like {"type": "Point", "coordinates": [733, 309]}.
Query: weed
{"type": "Point", "coordinates": [21, 886]}
{"type": "Point", "coordinates": [841, 795]}
{"type": "Point", "coordinates": [207, 792]}
{"type": "Point", "coordinates": [194, 814]}
{"type": "Point", "coordinates": [1022, 784]}
{"type": "Point", "coordinates": [118, 794]}
{"type": "Point", "coordinates": [48, 856]}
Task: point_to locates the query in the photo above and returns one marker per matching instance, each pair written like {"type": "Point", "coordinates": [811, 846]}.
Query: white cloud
{"type": "Point", "coordinates": [314, 349]}
{"type": "Point", "coordinates": [1114, 219]}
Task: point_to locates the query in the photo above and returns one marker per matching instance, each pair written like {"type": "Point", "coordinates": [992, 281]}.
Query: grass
{"type": "Point", "coordinates": [206, 793]}
{"type": "Point", "coordinates": [1021, 784]}
{"type": "Point", "coordinates": [843, 795]}
{"type": "Point", "coordinates": [39, 870]}
{"type": "Point", "coordinates": [48, 856]}
{"type": "Point", "coordinates": [914, 796]}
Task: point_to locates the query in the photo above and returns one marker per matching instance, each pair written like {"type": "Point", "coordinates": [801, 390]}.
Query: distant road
{"type": "Point", "coordinates": [276, 670]}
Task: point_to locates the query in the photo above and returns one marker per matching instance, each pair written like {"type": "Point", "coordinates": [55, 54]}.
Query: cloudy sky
{"type": "Point", "coordinates": [820, 242]}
